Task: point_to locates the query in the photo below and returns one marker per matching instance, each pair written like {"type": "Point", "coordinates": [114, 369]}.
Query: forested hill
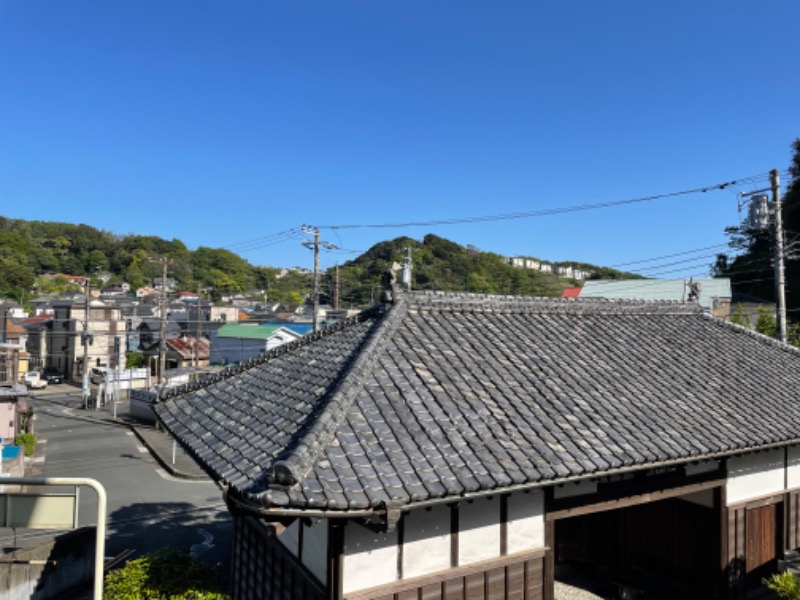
{"type": "Point", "coordinates": [439, 264]}
{"type": "Point", "coordinates": [29, 249]}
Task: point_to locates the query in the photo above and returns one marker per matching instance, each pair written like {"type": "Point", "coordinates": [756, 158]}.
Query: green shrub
{"type": "Point", "coordinates": [167, 574]}
{"type": "Point", "coordinates": [28, 440]}
{"type": "Point", "coordinates": [785, 585]}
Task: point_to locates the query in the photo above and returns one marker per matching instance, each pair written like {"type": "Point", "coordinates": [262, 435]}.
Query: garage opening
{"type": "Point", "coordinates": [658, 550]}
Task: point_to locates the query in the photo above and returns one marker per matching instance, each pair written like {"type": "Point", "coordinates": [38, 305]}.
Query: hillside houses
{"type": "Point", "coordinates": [564, 271]}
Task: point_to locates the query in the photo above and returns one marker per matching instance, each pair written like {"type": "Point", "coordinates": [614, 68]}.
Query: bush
{"type": "Point", "coordinates": [28, 440]}
{"type": "Point", "coordinates": [785, 585]}
{"type": "Point", "coordinates": [168, 574]}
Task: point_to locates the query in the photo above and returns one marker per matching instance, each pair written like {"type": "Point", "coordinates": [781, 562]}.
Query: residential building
{"type": "Point", "coordinates": [37, 330]}
{"type": "Point", "coordinates": [117, 289]}
{"type": "Point", "coordinates": [449, 442]}
{"type": "Point", "coordinates": [236, 343]}
{"type": "Point", "coordinates": [79, 330]}
{"type": "Point", "coordinates": [13, 393]}
{"type": "Point", "coordinates": [713, 294]}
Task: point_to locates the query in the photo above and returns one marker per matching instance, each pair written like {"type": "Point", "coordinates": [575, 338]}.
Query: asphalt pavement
{"type": "Point", "coordinates": [169, 454]}
{"type": "Point", "coordinates": [157, 494]}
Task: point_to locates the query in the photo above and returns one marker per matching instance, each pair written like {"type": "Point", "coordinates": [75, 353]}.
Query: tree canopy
{"type": "Point", "coordinates": [749, 264]}
{"type": "Point", "coordinates": [29, 249]}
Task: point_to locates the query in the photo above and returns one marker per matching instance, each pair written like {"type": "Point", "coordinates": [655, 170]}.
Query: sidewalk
{"type": "Point", "coordinates": [171, 456]}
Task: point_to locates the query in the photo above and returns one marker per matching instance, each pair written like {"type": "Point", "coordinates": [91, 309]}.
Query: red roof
{"type": "Point", "coordinates": [42, 318]}
{"type": "Point", "coordinates": [572, 292]}
{"type": "Point", "coordinates": [189, 347]}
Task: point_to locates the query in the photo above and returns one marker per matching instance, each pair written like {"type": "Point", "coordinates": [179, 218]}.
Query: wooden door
{"type": "Point", "coordinates": [762, 539]}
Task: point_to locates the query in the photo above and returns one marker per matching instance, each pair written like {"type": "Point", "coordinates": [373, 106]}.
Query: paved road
{"type": "Point", "coordinates": [147, 508]}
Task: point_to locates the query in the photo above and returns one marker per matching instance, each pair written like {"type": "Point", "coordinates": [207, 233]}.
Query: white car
{"type": "Point", "coordinates": [34, 380]}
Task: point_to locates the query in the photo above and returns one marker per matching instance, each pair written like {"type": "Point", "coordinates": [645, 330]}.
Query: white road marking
{"type": "Point", "coordinates": [206, 545]}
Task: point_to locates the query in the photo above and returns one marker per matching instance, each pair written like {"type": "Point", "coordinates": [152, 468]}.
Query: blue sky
{"type": "Point", "coordinates": [231, 124]}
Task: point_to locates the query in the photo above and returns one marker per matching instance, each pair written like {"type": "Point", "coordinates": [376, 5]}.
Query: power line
{"type": "Point", "coordinates": [548, 211]}
{"type": "Point", "coordinates": [646, 260]}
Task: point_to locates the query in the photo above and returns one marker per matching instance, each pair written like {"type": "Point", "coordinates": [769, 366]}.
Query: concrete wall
{"type": "Point", "coordinates": [68, 562]}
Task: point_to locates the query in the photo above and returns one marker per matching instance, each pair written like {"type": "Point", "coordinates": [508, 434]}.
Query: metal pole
{"type": "Point", "coordinates": [85, 341]}
{"type": "Point", "coordinates": [780, 274]}
{"type": "Point", "coordinates": [409, 264]}
{"type": "Point", "coordinates": [316, 279]}
{"type": "Point", "coordinates": [162, 346]}
{"type": "Point", "coordinates": [336, 290]}
{"type": "Point", "coordinates": [100, 537]}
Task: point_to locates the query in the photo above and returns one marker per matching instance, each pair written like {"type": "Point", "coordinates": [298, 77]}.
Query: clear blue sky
{"type": "Point", "coordinates": [219, 122]}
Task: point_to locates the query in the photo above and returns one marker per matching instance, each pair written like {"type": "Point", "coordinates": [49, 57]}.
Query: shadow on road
{"type": "Point", "coordinates": [204, 532]}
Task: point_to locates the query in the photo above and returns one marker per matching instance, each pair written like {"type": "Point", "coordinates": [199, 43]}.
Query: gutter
{"type": "Point", "coordinates": [390, 513]}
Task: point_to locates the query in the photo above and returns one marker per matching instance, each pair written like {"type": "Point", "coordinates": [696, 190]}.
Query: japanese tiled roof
{"type": "Point", "coordinates": [443, 394]}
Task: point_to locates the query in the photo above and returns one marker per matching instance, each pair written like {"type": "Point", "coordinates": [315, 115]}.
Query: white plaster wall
{"type": "Point", "coordinates": [525, 521]}
{"type": "Point", "coordinates": [574, 489]}
{"type": "Point", "coordinates": [426, 543]}
{"type": "Point", "coordinates": [290, 537]}
{"type": "Point", "coordinates": [793, 468]}
{"type": "Point", "coordinates": [370, 558]}
{"type": "Point", "coordinates": [315, 549]}
{"type": "Point", "coordinates": [754, 476]}
{"type": "Point", "coordinates": [479, 530]}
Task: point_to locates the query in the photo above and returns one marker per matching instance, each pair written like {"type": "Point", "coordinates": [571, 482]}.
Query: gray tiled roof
{"type": "Point", "coordinates": [444, 394]}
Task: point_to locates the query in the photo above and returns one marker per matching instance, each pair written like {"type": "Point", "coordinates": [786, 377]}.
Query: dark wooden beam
{"type": "Point", "coordinates": [624, 502]}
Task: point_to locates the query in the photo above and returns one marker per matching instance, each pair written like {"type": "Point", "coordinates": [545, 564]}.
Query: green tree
{"type": "Point", "coordinates": [766, 323]}
{"type": "Point", "coordinates": [134, 360]}
{"type": "Point", "coordinates": [167, 574]}
{"type": "Point", "coordinates": [738, 317]}
{"type": "Point", "coordinates": [749, 264]}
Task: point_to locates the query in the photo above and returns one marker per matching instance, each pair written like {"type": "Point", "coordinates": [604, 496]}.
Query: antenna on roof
{"type": "Point", "coordinates": [692, 289]}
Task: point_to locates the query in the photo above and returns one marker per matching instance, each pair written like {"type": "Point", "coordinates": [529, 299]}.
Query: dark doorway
{"type": "Point", "coordinates": [661, 550]}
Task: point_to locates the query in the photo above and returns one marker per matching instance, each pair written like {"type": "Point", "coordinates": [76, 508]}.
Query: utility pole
{"type": "Point", "coordinates": [85, 342]}
{"type": "Point", "coordinates": [336, 290]}
{"type": "Point", "coordinates": [315, 247]}
{"type": "Point", "coordinates": [315, 292]}
{"type": "Point", "coordinates": [780, 273]}
{"type": "Point", "coordinates": [162, 346]}
{"type": "Point", "coordinates": [759, 220]}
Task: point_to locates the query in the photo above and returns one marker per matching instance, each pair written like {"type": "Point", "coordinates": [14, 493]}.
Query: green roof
{"type": "Point", "coordinates": [248, 332]}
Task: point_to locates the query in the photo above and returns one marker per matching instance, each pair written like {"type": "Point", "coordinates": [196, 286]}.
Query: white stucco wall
{"type": "Point", "coordinates": [755, 476]}
{"type": "Point", "coordinates": [370, 558]}
{"type": "Point", "coordinates": [525, 521]}
{"type": "Point", "coordinates": [478, 531]}
{"type": "Point", "coordinates": [793, 468]}
{"type": "Point", "coordinates": [315, 549]}
{"type": "Point", "coordinates": [426, 544]}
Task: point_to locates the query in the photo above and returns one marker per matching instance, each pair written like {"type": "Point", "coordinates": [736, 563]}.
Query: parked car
{"type": "Point", "coordinates": [52, 375]}
{"type": "Point", "coordinates": [34, 380]}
